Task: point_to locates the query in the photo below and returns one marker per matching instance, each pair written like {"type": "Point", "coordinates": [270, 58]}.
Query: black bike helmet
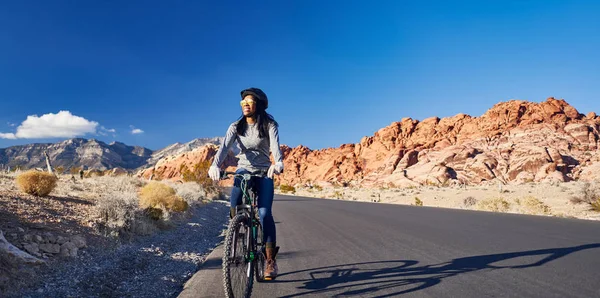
{"type": "Point", "coordinates": [258, 94]}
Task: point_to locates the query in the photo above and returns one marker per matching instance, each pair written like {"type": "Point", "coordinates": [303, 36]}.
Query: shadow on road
{"type": "Point", "coordinates": [405, 276]}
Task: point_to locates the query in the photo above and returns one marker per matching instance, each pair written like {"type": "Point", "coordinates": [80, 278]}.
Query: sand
{"type": "Point", "coordinates": [544, 199]}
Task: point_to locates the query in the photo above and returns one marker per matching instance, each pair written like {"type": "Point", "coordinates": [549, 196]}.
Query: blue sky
{"type": "Point", "coordinates": [334, 71]}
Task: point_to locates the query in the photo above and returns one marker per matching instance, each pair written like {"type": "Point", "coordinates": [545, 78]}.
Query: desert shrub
{"type": "Point", "coordinates": [318, 187]}
{"type": "Point", "coordinates": [36, 183]}
{"type": "Point", "coordinates": [494, 205]}
{"type": "Point", "coordinates": [531, 205]}
{"type": "Point", "coordinates": [589, 196]}
{"type": "Point", "coordinates": [76, 187]}
{"type": "Point", "coordinates": [60, 170]}
{"type": "Point", "coordinates": [74, 170]}
{"type": "Point", "coordinates": [469, 202]}
{"type": "Point", "coordinates": [338, 195]}
{"type": "Point", "coordinates": [93, 173]}
{"type": "Point", "coordinates": [191, 192]}
{"type": "Point", "coordinates": [431, 183]}
{"type": "Point", "coordinates": [156, 195]}
{"type": "Point", "coordinates": [284, 188]}
{"type": "Point", "coordinates": [418, 202]}
{"type": "Point", "coordinates": [117, 214]}
{"type": "Point", "coordinates": [198, 174]}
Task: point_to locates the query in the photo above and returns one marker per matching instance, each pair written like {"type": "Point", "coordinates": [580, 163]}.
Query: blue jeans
{"type": "Point", "coordinates": [265, 191]}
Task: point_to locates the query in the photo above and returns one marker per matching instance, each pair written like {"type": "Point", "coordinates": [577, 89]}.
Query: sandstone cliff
{"type": "Point", "coordinates": [513, 142]}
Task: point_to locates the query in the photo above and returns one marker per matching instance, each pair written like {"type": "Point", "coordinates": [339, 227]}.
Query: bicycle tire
{"type": "Point", "coordinates": [259, 262]}
{"type": "Point", "coordinates": [238, 223]}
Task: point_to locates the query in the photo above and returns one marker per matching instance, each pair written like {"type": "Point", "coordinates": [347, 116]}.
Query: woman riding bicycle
{"type": "Point", "coordinates": [257, 135]}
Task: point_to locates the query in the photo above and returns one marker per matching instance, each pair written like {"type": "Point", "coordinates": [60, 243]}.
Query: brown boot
{"type": "Point", "coordinates": [271, 264]}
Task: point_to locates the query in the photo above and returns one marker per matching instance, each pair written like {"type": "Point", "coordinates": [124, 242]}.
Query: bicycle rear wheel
{"type": "Point", "coordinates": [238, 274]}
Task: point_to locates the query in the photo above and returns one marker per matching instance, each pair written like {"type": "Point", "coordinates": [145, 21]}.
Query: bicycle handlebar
{"type": "Point", "coordinates": [246, 176]}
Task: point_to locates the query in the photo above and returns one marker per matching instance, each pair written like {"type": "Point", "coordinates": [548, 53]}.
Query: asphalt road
{"type": "Point", "coordinates": [333, 248]}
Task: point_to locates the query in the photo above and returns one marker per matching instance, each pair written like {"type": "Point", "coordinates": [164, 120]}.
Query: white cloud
{"type": "Point", "coordinates": [135, 130]}
{"type": "Point", "coordinates": [10, 124]}
{"type": "Point", "coordinates": [108, 130]}
{"type": "Point", "coordinates": [7, 136]}
{"type": "Point", "coordinates": [104, 131]}
{"type": "Point", "coordinates": [60, 125]}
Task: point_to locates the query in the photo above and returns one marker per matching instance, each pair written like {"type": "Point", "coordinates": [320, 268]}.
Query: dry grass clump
{"type": "Point", "coordinates": [418, 202]}
{"type": "Point", "coordinates": [531, 205]}
{"type": "Point", "coordinates": [590, 196]}
{"type": "Point", "coordinates": [338, 195]}
{"type": "Point", "coordinates": [194, 193]}
{"type": "Point", "coordinates": [128, 205]}
{"type": "Point", "coordinates": [190, 192]}
{"type": "Point", "coordinates": [284, 188]}
{"type": "Point", "coordinates": [469, 202]}
{"type": "Point", "coordinates": [93, 173]}
{"type": "Point", "coordinates": [199, 174]}
{"type": "Point", "coordinates": [116, 212]}
{"type": "Point", "coordinates": [119, 215]}
{"type": "Point", "coordinates": [159, 195]}
{"type": "Point", "coordinates": [36, 183]}
{"type": "Point", "coordinates": [494, 205]}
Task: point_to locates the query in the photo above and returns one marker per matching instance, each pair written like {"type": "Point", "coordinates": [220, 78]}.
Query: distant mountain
{"type": "Point", "coordinates": [93, 154]}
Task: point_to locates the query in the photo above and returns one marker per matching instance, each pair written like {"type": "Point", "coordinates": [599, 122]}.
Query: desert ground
{"type": "Point", "coordinates": [560, 199]}
{"type": "Point", "coordinates": [86, 236]}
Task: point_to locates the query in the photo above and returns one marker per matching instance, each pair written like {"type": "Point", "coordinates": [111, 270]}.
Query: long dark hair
{"type": "Point", "coordinates": [262, 120]}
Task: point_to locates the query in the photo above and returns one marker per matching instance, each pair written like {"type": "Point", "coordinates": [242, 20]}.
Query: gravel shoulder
{"type": "Point", "coordinates": [152, 266]}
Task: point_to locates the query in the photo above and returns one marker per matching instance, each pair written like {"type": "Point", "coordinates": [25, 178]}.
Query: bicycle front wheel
{"type": "Point", "coordinates": [238, 274]}
{"type": "Point", "coordinates": [259, 262]}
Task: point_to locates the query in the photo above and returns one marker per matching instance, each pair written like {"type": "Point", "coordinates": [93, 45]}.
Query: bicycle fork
{"type": "Point", "coordinates": [249, 255]}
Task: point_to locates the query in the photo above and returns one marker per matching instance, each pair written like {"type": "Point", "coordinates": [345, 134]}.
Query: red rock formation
{"type": "Point", "coordinates": [169, 167]}
{"type": "Point", "coordinates": [514, 141]}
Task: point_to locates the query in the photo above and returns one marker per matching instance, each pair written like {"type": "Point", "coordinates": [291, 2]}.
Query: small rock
{"type": "Point", "coordinates": [50, 248]}
{"type": "Point", "coordinates": [31, 248]}
{"type": "Point", "coordinates": [38, 239]}
{"type": "Point", "coordinates": [21, 230]}
{"type": "Point", "coordinates": [28, 237]}
{"type": "Point", "coordinates": [79, 241]}
{"type": "Point", "coordinates": [61, 240]}
{"type": "Point", "coordinates": [50, 237]}
{"type": "Point", "coordinates": [14, 235]}
{"type": "Point", "coordinates": [69, 249]}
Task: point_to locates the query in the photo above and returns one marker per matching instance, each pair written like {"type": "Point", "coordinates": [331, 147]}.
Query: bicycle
{"type": "Point", "coordinates": [244, 256]}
